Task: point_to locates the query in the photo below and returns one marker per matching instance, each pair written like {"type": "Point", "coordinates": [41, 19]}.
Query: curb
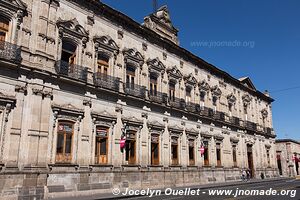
{"type": "Point", "coordinates": [204, 187]}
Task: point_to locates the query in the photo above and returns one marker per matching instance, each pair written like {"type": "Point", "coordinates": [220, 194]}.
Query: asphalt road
{"type": "Point", "coordinates": [278, 188]}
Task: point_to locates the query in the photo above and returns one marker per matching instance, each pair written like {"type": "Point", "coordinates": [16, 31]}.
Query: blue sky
{"type": "Point", "coordinates": [269, 34]}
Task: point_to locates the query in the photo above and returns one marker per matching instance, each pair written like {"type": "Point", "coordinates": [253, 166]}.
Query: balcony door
{"type": "Point", "coordinates": [68, 57]}
{"type": "Point", "coordinates": [153, 85]}
{"type": "Point", "coordinates": [102, 63]}
{"type": "Point", "coordinates": [130, 77]}
{"type": "Point", "coordinates": [4, 25]}
{"type": "Point", "coordinates": [101, 146]}
{"type": "Point", "coordinates": [172, 91]}
{"type": "Point", "coordinates": [64, 142]}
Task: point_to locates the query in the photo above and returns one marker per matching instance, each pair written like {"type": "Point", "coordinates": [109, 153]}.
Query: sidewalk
{"type": "Point", "coordinates": [206, 186]}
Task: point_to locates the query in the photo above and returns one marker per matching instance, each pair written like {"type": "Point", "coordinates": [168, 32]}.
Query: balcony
{"type": "Point", "coordinates": [10, 52]}
{"type": "Point", "coordinates": [250, 126]}
{"type": "Point", "coordinates": [268, 131]}
{"type": "Point", "coordinates": [235, 121]}
{"type": "Point", "coordinates": [219, 116]}
{"type": "Point", "coordinates": [204, 111]}
{"type": "Point", "coordinates": [192, 107]}
{"type": "Point", "coordinates": [177, 103]}
{"type": "Point", "coordinates": [106, 81]}
{"type": "Point", "coordinates": [135, 90]}
{"type": "Point", "coordinates": [158, 97]}
{"type": "Point", "coordinates": [71, 70]}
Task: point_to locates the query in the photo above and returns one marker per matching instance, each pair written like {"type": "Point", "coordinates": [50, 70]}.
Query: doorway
{"type": "Point", "coordinates": [250, 160]}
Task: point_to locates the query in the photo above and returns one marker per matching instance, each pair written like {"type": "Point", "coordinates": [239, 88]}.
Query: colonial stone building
{"type": "Point", "coordinates": [288, 157]}
{"type": "Point", "coordinates": [78, 78]}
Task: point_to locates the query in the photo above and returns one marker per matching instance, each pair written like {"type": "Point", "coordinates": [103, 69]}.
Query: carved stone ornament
{"type": "Point", "coordinates": [192, 131]}
{"type": "Point", "coordinates": [174, 73]}
{"type": "Point", "coordinates": [246, 100]}
{"type": "Point", "coordinates": [215, 90]}
{"type": "Point", "coordinates": [133, 57]}
{"type": "Point", "coordinates": [155, 125]}
{"type": "Point", "coordinates": [190, 80]}
{"type": "Point", "coordinates": [264, 113]}
{"type": "Point", "coordinates": [73, 30]}
{"type": "Point", "coordinates": [13, 9]}
{"type": "Point", "coordinates": [67, 112]}
{"type": "Point", "coordinates": [103, 118]}
{"type": "Point", "coordinates": [106, 45]}
{"type": "Point", "coordinates": [156, 66]}
{"type": "Point", "coordinates": [132, 123]}
{"type": "Point", "coordinates": [231, 99]}
{"type": "Point", "coordinates": [204, 86]}
{"type": "Point", "coordinates": [174, 128]}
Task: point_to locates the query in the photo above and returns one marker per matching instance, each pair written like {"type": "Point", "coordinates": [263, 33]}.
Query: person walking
{"type": "Point", "coordinates": [244, 174]}
{"type": "Point", "coordinates": [248, 175]}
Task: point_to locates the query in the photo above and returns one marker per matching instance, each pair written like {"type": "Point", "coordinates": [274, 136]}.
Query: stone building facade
{"type": "Point", "coordinates": [288, 157]}
{"type": "Point", "coordinates": [78, 78]}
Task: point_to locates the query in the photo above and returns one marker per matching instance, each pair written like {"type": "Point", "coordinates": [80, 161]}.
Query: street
{"type": "Point", "coordinates": [290, 187]}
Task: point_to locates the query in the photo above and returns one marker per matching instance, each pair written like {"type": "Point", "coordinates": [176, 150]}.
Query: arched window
{"type": "Point", "coordinates": [68, 53]}
{"type": "Point", "coordinates": [4, 26]}
{"type": "Point", "coordinates": [101, 145]}
{"type": "Point", "coordinates": [64, 142]}
{"type": "Point", "coordinates": [103, 64]}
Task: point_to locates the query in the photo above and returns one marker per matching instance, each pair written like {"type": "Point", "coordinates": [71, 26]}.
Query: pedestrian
{"type": "Point", "coordinates": [248, 175]}
{"type": "Point", "coordinates": [243, 175]}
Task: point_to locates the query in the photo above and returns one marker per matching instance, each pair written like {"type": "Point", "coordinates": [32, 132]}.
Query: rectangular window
{"type": "Point", "coordinates": [188, 95]}
{"type": "Point", "coordinates": [172, 91]}
{"type": "Point", "coordinates": [153, 85]}
{"type": "Point", "coordinates": [130, 77]}
{"type": "Point", "coordinates": [64, 142]}
{"type": "Point", "coordinates": [130, 148]}
{"type": "Point", "coordinates": [101, 146]}
{"type": "Point", "coordinates": [4, 25]}
{"type": "Point", "coordinates": [234, 156]}
{"type": "Point", "coordinates": [174, 150]}
{"type": "Point", "coordinates": [206, 153]}
{"type": "Point", "coordinates": [191, 153]}
{"type": "Point", "coordinates": [268, 157]}
{"type": "Point", "coordinates": [218, 152]}
{"type": "Point", "coordinates": [154, 149]}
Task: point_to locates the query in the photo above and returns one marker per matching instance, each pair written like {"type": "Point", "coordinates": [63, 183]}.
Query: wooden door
{"type": "Point", "coordinates": [3, 29]}
{"type": "Point", "coordinates": [101, 146]}
{"type": "Point", "coordinates": [64, 143]}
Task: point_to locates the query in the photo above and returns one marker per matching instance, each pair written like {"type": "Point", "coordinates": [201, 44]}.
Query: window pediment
{"type": "Point", "coordinates": [231, 99]}
{"type": "Point", "coordinates": [133, 56]}
{"type": "Point", "coordinates": [155, 125]}
{"type": "Point", "coordinates": [156, 66]}
{"type": "Point", "coordinates": [204, 86]}
{"type": "Point", "coordinates": [246, 99]}
{"type": "Point", "coordinates": [72, 29]}
{"type": "Point", "coordinates": [15, 4]}
{"type": "Point", "coordinates": [190, 80]}
{"type": "Point", "coordinates": [175, 129]}
{"type": "Point", "coordinates": [174, 72]}
{"type": "Point", "coordinates": [106, 43]}
{"type": "Point", "coordinates": [216, 91]}
{"type": "Point", "coordinates": [264, 113]}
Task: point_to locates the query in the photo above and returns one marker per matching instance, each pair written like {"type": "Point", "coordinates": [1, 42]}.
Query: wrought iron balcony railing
{"type": "Point", "coordinates": [268, 130]}
{"type": "Point", "coordinates": [158, 97]}
{"type": "Point", "coordinates": [10, 52]}
{"type": "Point", "coordinates": [250, 126]}
{"type": "Point", "coordinates": [219, 116]}
{"type": "Point", "coordinates": [135, 90]}
{"type": "Point", "coordinates": [204, 111]}
{"type": "Point", "coordinates": [235, 121]}
{"type": "Point", "coordinates": [177, 103]}
{"type": "Point", "coordinates": [192, 107]}
{"type": "Point", "coordinates": [106, 81]}
{"type": "Point", "coordinates": [71, 70]}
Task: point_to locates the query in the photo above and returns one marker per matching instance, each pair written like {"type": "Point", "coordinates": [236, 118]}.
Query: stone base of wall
{"type": "Point", "coordinates": [58, 182]}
